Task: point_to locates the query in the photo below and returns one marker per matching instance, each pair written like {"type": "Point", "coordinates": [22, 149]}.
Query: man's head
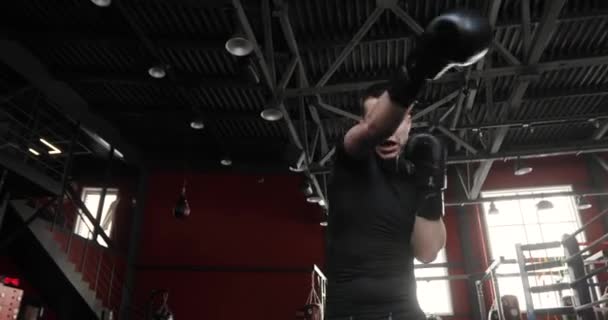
{"type": "Point", "coordinates": [394, 144]}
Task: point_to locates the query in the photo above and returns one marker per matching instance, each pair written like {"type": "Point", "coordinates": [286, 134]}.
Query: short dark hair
{"type": "Point", "coordinates": [373, 91]}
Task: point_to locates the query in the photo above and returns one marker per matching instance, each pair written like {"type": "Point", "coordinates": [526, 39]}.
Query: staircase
{"type": "Point", "coordinates": [80, 260]}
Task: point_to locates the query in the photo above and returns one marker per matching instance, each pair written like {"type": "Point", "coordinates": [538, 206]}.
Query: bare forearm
{"type": "Point", "coordinates": [383, 119]}
{"type": "Point", "coordinates": [427, 239]}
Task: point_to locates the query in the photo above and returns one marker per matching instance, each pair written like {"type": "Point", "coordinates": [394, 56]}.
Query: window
{"type": "Point", "coordinates": [519, 221]}
{"type": "Point", "coordinates": [434, 296]}
{"type": "Point", "coordinates": [91, 197]}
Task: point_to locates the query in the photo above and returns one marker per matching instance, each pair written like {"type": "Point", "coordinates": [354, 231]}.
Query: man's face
{"type": "Point", "coordinates": [393, 145]}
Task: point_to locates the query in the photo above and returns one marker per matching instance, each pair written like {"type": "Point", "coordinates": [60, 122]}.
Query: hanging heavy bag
{"type": "Point", "coordinates": [510, 307]}
{"type": "Point", "coordinates": [313, 309]}
{"type": "Point", "coordinates": [182, 208]}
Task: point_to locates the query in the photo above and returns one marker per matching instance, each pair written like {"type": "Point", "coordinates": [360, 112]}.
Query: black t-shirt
{"type": "Point", "coordinates": [370, 262]}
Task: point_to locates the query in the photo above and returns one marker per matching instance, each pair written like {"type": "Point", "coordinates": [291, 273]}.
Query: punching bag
{"type": "Point", "coordinates": [182, 208]}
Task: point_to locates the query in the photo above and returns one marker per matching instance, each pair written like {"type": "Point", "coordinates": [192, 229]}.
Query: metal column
{"type": "Point", "coordinates": [136, 224]}
{"type": "Point", "coordinates": [521, 260]}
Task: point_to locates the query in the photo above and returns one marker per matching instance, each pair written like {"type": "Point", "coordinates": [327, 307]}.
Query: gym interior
{"type": "Point", "coordinates": [170, 159]}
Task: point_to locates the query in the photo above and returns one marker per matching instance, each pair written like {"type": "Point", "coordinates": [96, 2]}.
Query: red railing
{"type": "Point", "coordinates": [101, 266]}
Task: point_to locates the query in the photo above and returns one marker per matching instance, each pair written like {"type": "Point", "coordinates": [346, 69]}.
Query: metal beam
{"type": "Point", "coordinates": [240, 12]}
{"type": "Point", "coordinates": [351, 45]}
{"type": "Point", "coordinates": [600, 132]}
{"type": "Point", "coordinates": [541, 39]}
{"type": "Point", "coordinates": [511, 59]}
{"type": "Point", "coordinates": [65, 98]}
{"type": "Point", "coordinates": [462, 180]}
{"type": "Point", "coordinates": [526, 28]}
{"type": "Point", "coordinates": [303, 79]}
{"type": "Point", "coordinates": [30, 173]}
{"type": "Point", "coordinates": [545, 30]}
{"type": "Point", "coordinates": [134, 244]}
{"type": "Point", "coordinates": [268, 44]}
{"type": "Point", "coordinates": [601, 162]}
{"type": "Point", "coordinates": [314, 114]}
{"type": "Point", "coordinates": [399, 12]}
{"type": "Point", "coordinates": [542, 151]}
{"type": "Point", "coordinates": [456, 139]}
{"type": "Point", "coordinates": [459, 76]}
{"type": "Point", "coordinates": [188, 81]}
{"type": "Point", "coordinates": [436, 105]}
{"type": "Point", "coordinates": [594, 193]}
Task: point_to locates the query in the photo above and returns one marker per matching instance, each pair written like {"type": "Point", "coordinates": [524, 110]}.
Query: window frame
{"type": "Point", "coordinates": [497, 193]}
{"type": "Point", "coordinates": [78, 226]}
{"type": "Point", "coordinates": [442, 257]}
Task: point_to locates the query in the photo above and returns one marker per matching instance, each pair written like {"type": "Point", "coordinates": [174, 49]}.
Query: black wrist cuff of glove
{"type": "Point", "coordinates": [430, 205]}
{"type": "Point", "coordinates": [403, 87]}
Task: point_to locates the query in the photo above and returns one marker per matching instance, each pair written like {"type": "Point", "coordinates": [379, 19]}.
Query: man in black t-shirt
{"type": "Point", "coordinates": [386, 189]}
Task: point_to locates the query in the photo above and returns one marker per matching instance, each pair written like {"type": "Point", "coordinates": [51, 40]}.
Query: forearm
{"type": "Point", "coordinates": [383, 119]}
{"type": "Point", "coordinates": [428, 238]}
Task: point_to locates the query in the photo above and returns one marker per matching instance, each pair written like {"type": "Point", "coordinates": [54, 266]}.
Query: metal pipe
{"type": "Point", "coordinates": [110, 285]}
{"type": "Point", "coordinates": [351, 45]}
{"type": "Point", "coordinates": [450, 278]}
{"type": "Point", "coordinates": [494, 281]}
{"type": "Point", "coordinates": [98, 270]}
{"type": "Point", "coordinates": [589, 275]}
{"type": "Point", "coordinates": [102, 196]}
{"type": "Point", "coordinates": [492, 268]}
{"type": "Point", "coordinates": [589, 247]}
{"type": "Point", "coordinates": [589, 305]}
{"type": "Point", "coordinates": [525, 196]}
{"type": "Point", "coordinates": [581, 229]}
{"type": "Point", "coordinates": [84, 256]}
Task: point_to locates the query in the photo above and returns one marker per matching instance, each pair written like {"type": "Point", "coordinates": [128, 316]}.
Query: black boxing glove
{"type": "Point", "coordinates": [455, 38]}
{"type": "Point", "coordinates": [428, 154]}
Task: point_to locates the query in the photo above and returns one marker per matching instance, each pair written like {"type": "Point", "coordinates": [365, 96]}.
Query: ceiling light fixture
{"type": "Point", "coordinates": [157, 72]}
{"type": "Point", "coordinates": [544, 205]}
{"type": "Point", "coordinates": [102, 3]}
{"type": "Point", "coordinates": [521, 169]}
{"type": "Point", "coordinates": [582, 203]}
{"type": "Point", "coordinates": [239, 46]}
{"type": "Point", "coordinates": [271, 114]}
{"type": "Point", "coordinates": [226, 162]}
{"type": "Point", "coordinates": [323, 224]}
{"type": "Point", "coordinates": [314, 199]}
{"type": "Point", "coordinates": [197, 124]}
{"type": "Point", "coordinates": [34, 152]}
{"type": "Point", "coordinates": [493, 210]}
{"type": "Point", "coordinates": [306, 188]}
{"type": "Point", "coordinates": [54, 150]}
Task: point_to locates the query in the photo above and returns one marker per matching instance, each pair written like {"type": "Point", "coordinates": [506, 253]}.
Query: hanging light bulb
{"type": "Point", "coordinates": [493, 210]}
{"type": "Point", "coordinates": [544, 205]}
{"type": "Point", "coordinates": [582, 203]}
{"type": "Point", "coordinates": [521, 169]}
{"type": "Point", "coordinates": [182, 208]}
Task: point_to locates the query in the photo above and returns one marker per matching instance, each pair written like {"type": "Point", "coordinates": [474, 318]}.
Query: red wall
{"type": "Point", "coordinates": [238, 224]}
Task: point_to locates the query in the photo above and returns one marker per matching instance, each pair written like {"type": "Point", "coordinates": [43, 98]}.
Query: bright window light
{"type": "Point", "coordinates": [434, 297]}
{"type": "Point", "coordinates": [520, 221]}
{"type": "Point", "coordinates": [91, 197]}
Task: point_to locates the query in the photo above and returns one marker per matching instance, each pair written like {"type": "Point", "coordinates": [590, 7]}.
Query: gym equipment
{"type": "Point", "coordinates": [182, 208]}
{"type": "Point", "coordinates": [582, 268]}
{"type": "Point", "coordinates": [314, 309]}
{"type": "Point", "coordinates": [10, 302]}
{"type": "Point", "coordinates": [454, 38]}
